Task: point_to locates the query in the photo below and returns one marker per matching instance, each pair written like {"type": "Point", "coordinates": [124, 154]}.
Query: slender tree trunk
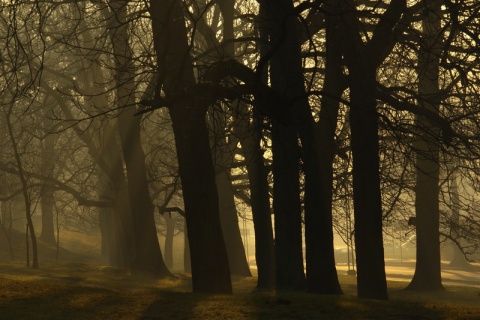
{"type": "Point", "coordinates": [210, 268]}
{"type": "Point", "coordinates": [427, 276]}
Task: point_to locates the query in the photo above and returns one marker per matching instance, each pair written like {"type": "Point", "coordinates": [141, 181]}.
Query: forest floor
{"type": "Point", "coordinates": [74, 287]}
{"type": "Point", "coordinates": [81, 291]}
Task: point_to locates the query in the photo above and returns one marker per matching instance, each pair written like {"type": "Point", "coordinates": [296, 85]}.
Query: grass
{"type": "Point", "coordinates": [70, 288]}
{"type": "Point", "coordinates": [81, 291]}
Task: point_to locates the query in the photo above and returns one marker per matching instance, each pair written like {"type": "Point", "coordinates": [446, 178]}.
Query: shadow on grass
{"type": "Point", "coordinates": [284, 305]}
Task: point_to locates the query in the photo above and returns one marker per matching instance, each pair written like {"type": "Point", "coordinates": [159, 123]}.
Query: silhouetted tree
{"type": "Point", "coordinates": [210, 268]}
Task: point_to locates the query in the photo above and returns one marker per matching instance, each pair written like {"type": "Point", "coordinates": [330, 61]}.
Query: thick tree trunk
{"type": "Point", "coordinates": [362, 60]}
{"type": "Point", "coordinates": [367, 199]}
{"type": "Point", "coordinates": [285, 149]}
{"type": "Point", "coordinates": [148, 257]}
{"type": "Point", "coordinates": [427, 276]}
{"type": "Point", "coordinates": [47, 203]}
{"type": "Point", "coordinates": [209, 261]}
{"type": "Point", "coordinates": [115, 222]}
{"type": "Point", "coordinates": [286, 208]}
{"type": "Point", "coordinates": [287, 78]}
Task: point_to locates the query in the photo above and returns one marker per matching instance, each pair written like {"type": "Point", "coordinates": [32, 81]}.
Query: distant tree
{"type": "Point", "coordinates": [47, 199]}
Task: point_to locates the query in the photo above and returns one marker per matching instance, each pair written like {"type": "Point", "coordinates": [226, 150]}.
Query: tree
{"type": "Point", "coordinates": [427, 269]}
{"type": "Point", "coordinates": [148, 256]}
{"type": "Point", "coordinates": [47, 199]}
{"type": "Point", "coordinates": [285, 150]}
{"type": "Point", "coordinates": [362, 60]}
{"type": "Point", "coordinates": [210, 268]}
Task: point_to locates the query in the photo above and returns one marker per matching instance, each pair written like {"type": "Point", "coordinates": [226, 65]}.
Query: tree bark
{"type": "Point", "coordinates": [427, 276]}
{"type": "Point", "coordinates": [148, 257]}
{"type": "Point", "coordinates": [229, 220]}
{"type": "Point", "coordinates": [362, 60]}
{"type": "Point", "coordinates": [458, 258]}
{"type": "Point", "coordinates": [209, 261]}
{"type": "Point", "coordinates": [323, 271]}
{"type": "Point", "coordinates": [285, 149]}
{"type": "Point", "coordinates": [371, 280]}
{"type": "Point", "coordinates": [169, 235]}
{"type": "Point", "coordinates": [250, 136]}
{"type": "Point", "coordinates": [47, 200]}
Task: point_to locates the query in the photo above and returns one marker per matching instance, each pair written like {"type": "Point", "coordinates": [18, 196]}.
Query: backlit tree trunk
{"type": "Point", "coordinates": [287, 81]}
{"type": "Point", "coordinates": [148, 257]}
{"type": "Point", "coordinates": [209, 261]}
{"type": "Point", "coordinates": [327, 281]}
{"type": "Point", "coordinates": [249, 137]}
{"type": "Point", "coordinates": [362, 60]}
{"type": "Point", "coordinates": [427, 274]}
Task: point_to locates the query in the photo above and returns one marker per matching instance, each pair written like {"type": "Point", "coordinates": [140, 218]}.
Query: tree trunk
{"type": "Point", "coordinates": [367, 199]}
{"type": "Point", "coordinates": [47, 203]}
{"type": "Point", "coordinates": [322, 270]}
{"type": "Point", "coordinates": [168, 248]}
{"type": "Point", "coordinates": [362, 60]}
{"type": "Point", "coordinates": [250, 136]}
{"type": "Point", "coordinates": [229, 220]}
{"type": "Point", "coordinates": [427, 276]}
{"type": "Point", "coordinates": [117, 236]}
{"type": "Point", "coordinates": [47, 200]}
{"type": "Point", "coordinates": [286, 208]}
{"type": "Point", "coordinates": [187, 263]}
{"type": "Point", "coordinates": [458, 258]}
{"type": "Point", "coordinates": [210, 268]}
{"type": "Point", "coordinates": [148, 257]}
{"type": "Point", "coordinates": [228, 213]}
{"type": "Point", "coordinates": [285, 150]}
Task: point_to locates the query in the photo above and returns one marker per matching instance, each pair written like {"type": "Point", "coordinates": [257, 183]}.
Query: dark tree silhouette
{"type": "Point", "coordinates": [209, 261]}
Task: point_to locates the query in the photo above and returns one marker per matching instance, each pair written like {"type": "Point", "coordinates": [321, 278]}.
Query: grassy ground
{"type": "Point", "coordinates": [69, 288]}
{"type": "Point", "coordinates": [81, 291]}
